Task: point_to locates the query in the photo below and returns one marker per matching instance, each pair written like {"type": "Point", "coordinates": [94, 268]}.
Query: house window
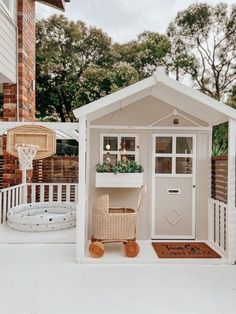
{"type": "Point", "coordinates": [116, 147]}
{"type": "Point", "coordinates": [8, 6]}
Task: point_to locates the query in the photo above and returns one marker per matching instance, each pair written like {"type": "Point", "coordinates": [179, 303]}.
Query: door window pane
{"type": "Point", "coordinates": [128, 144]}
{"type": "Point", "coordinates": [163, 165]}
{"type": "Point", "coordinates": [110, 143]}
{"type": "Point", "coordinates": [184, 145]}
{"type": "Point", "coordinates": [164, 145]}
{"type": "Point", "coordinates": [183, 165]}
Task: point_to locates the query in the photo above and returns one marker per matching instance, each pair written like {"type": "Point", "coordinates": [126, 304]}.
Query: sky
{"type": "Point", "coordinates": [123, 20]}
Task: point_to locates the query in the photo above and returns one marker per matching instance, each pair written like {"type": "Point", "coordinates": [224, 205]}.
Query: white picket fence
{"type": "Point", "coordinates": [217, 224]}
{"type": "Point", "coordinates": [36, 192]}
{"type": "Point", "coordinates": [9, 198]}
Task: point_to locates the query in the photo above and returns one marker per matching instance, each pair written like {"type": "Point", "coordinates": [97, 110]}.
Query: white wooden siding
{"type": "Point", "coordinates": [8, 49]}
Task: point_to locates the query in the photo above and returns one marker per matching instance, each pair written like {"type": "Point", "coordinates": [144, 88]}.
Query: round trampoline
{"type": "Point", "coordinates": [46, 216]}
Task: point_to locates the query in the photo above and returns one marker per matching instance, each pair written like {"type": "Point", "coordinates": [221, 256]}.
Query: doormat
{"type": "Point", "coordinates": [184, 250]}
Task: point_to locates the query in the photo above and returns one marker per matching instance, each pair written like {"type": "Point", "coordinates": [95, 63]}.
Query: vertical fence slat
{"type": "Point", "coordinates": [222, 227]}
{"type": "Point", "coordinates": [33, 192]}
{"type": "Point", "coordinates": [67, 193]}
{"type": "Point", "coordinates": [13, 197]}
{"type": "Point", "coordinates": [50, 193]}
{"type": "Point", "coordinates": [17, 196]}
{"type": "Point", "coordinates": [59, 191]}
{"type": "Point", "coordinates": [217, 224]}
{"type": "Point", "coordinates": [217, 233]}
{"type": "Point", "coordinates": [5, 206]}
{"type": "Point", "coordinates": [41, 193]}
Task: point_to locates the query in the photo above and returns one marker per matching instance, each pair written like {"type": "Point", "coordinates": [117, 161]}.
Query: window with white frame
{"type": "Point", "coordinates": [174, 155]}
{"type": "Point", "coordinates": [116, 147]}
{"type": "Point", "coordinates": [8, 6]}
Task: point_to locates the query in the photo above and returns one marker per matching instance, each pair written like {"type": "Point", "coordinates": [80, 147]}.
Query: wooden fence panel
{"type": "Point", "coordinates": [219, 177]}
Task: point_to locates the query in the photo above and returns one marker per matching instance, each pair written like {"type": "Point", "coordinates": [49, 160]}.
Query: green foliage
{"type": "Point", "coordinates": [128, 166]}
{"type": "Point", "coordinates": [204, 47]}
{"type": "Point", "coordinates": [144, 54]}
{"type": "Point", "coordinates": [220, 140]}
{"type": "Point", "coordinates": [98, 82]}
{"type": "Point", "coordinates": [67, 148]}
{"type": "Point", "coordinates": [104, 167]}
{"type": "Point", "coordinates": [218, 150]}
{"type": "Point", "coordinates": [65, 51]}
{"type": "Point", "coordinates": [77, 64]}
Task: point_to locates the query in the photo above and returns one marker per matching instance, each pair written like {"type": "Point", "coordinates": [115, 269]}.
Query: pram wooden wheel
{"type": "Point", "coordinates": [131, 248]}
{"type": "Point", "coordinates": [96, 249]}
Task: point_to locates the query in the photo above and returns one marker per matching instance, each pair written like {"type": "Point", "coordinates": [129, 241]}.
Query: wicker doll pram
{"type": "Point", "coordinates": [114, 225]}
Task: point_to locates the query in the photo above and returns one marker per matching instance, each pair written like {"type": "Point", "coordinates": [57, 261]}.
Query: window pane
{"type": "Point", "coordinates": [183, 165]}
{"type": "Point", "coordinates": [127, 157]}
{"type": "Point", "coordinates": [163, 165]}
{"type": "Point", "coordinates": [164, 145]}
{"type": "Point", "coordinates": [110, 158]}
{"type": "Point", "coordinates": [128, 144]}
{"type": "Point", "coordinates": [110, 143]}
{"type": "Point", "coordinates": [184, 145]}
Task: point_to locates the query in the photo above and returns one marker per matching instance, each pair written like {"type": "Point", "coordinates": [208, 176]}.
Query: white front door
{"type": "Point", "coordinates": [173, 186]}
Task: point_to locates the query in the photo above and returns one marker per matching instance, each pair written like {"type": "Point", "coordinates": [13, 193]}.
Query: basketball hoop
{"type": "Point", "coordinates": [26, 154]}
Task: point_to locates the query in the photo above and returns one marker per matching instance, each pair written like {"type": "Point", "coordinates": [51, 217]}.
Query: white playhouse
{"type": "Point", "coordinates": [144, 154]}
{"type": "Point", "coordinates": [167, 128]}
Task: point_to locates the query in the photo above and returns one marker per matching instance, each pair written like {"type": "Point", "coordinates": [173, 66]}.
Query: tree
{"type": "Point", "coordinates": [77, 64]}
{"type": "Point", "coordinates": [204, 47]}
{"type": "Point", "coordinates": [148, 51]}
{"type": "Point", "coordinates": [98, 82]}
{"type": "Point", "coordinates": [65, 51]}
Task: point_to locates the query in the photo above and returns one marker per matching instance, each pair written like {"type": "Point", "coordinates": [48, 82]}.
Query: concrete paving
{"type": "Point", "coordinates": [44, 279]}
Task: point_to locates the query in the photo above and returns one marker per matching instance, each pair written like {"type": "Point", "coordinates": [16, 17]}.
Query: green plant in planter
{"type": "Point", "coordinates": [128, 166]}
{"type": "Point", "coordinates": [105, 167]}
{"type": "Point", "coordinates": [219, 150]}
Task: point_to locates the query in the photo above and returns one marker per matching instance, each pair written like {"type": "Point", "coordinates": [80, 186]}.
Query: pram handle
{"type": "Point", "coordinates": [142, 192]}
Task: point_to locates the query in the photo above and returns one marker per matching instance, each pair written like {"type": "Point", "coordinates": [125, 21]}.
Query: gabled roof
{"type": "Point", "coordinates": [166, 89]}
{"type": "Point", "coordinates": [58, 4]}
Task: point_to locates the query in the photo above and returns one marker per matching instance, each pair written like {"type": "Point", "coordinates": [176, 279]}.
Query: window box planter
{"type": "Point", "coordinates": [119, 180]}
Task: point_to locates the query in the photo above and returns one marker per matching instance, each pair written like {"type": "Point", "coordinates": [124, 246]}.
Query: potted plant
{"type": "Point", "coordinates": [125, 174]}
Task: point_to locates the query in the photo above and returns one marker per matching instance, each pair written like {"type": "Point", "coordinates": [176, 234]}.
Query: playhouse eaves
{"type": "Point", "coordinates": [164, 88]}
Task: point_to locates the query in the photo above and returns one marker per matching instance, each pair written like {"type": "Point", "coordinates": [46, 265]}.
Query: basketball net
{"type": "Point", "coordinates": [26, 154]}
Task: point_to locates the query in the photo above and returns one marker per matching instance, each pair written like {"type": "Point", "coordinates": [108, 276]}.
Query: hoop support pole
{"type": "Point", "coordinates": [24, 181]}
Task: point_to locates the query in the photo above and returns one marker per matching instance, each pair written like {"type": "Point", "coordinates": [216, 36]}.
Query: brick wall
{"type": "Point", "coordinates": [56, 169]}
{"type": "Point", "coordinates": [26, 59]}
{"type": "Point", "coordinates": [26, 79]}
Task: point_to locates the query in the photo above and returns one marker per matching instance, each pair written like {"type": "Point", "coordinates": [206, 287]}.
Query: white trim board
{"type": "Point", "coordinates": [148, 128]}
